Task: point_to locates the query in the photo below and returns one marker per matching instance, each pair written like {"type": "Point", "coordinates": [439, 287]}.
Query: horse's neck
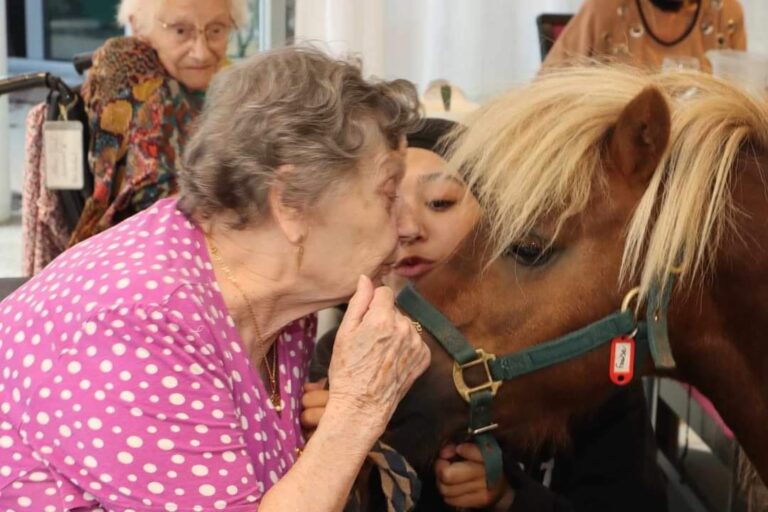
{"type": "Point", "coordinates": [720, 347]}
{"type": "Point", "coordinates": [719, 330]}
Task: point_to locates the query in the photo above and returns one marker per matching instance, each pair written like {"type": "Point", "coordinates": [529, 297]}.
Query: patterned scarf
{"type": "Point", "coordinates": [399, 482]}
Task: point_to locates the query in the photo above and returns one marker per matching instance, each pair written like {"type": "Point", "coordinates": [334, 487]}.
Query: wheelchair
{"type": "Point", "coordinates": [64, 103]}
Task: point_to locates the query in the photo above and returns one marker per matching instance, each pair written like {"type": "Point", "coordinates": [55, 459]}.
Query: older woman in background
{"type": "Point", "coordinates": [159, 365]}
{"type": "Point", "coordinates": [142, 95]}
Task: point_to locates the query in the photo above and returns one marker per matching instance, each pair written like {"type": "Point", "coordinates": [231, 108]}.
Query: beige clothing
{"type": "Point", "coordinates": [613, 29]}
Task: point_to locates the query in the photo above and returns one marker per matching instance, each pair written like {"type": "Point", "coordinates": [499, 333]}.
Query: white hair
{"type": "Point", "coordinates": [138, 14]}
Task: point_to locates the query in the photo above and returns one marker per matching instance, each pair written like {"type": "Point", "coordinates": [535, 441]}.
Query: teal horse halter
{"type": "Point", "coordinates": [649, 333]}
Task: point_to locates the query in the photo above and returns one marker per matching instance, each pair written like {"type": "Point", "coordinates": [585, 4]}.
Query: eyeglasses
{"type": "Point", "coordinates": [215, 34]}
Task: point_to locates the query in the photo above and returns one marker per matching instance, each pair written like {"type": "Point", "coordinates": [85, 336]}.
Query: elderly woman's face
{"type": "Point", "coordinates": [355, 227]}
{"type": "Point", "coordinates": [190, 37]}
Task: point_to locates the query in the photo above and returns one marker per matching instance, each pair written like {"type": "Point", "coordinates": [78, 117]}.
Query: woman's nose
{"type": "Point", "coordinates": [409, 229]}
{"type": "Point", "coordinates": [200, 50]}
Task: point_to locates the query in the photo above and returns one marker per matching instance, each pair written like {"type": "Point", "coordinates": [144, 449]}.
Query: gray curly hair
{"type": "Point", "coordinates": [289, 107]}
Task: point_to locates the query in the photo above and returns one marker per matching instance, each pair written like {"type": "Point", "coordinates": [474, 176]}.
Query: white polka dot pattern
{"type": "Point", "coordinates": [124, 385]}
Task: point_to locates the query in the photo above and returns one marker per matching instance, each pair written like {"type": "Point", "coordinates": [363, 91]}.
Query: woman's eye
{"type": "Point", "coordinates": [440, 205]}
{"type": "Point", "coordinates": [530, 253]}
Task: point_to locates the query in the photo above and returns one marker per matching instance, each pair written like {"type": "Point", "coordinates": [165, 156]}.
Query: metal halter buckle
{"type": "Point", "coordinates": [461, 385]}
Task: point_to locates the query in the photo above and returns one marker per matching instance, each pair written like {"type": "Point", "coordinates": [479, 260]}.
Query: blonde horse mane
{"type": "Point", "coordinates": [538, 152]}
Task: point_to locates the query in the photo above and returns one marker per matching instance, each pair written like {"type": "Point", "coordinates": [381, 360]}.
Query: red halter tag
{"type": "Point", "coordinates": [622, 365]}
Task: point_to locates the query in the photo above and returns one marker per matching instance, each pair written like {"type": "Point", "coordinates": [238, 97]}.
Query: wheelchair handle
{"type": "Point", "coordinates": [34, 80]}
{"type": "Point", "coordinates": [83, 62]}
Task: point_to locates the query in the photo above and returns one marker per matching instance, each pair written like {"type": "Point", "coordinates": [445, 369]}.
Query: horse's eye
{"type": "Point", "coordinates": [530, 253]}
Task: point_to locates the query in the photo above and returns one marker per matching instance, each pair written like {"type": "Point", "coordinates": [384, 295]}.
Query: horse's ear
{"type": "Point", "coordinates": [641, 135]}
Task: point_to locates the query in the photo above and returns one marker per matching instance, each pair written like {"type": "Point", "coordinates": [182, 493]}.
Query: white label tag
{"type": "Point", "coordinates": [622, 357]}
{"type": "Point", "coordinates": [63, 150]}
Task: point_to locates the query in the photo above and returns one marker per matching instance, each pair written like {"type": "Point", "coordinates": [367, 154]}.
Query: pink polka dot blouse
{"type": "Point", "coordinates": [125, 385]}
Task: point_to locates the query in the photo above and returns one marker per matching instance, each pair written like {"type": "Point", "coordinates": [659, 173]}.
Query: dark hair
{"type": "Point", "coordinates": [432, 136]}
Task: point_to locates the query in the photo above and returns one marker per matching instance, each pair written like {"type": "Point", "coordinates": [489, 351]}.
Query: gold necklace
{"type": "Point", "coordinates": [274, 397]}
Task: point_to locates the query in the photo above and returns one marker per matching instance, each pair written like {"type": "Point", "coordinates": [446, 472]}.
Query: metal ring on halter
{"type": "Point", "coordinates": [417, 326]}
{"type": "Point", "coordinates": [629, 297]}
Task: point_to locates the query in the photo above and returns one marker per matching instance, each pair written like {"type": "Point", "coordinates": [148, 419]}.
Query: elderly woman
{"type": "Point", "coordinates": [159, 365]}
{"type": "Point", "coordinates": [142, 95]}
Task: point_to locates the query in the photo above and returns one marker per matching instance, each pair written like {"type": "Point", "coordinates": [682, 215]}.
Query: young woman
{"type": "Point", "coordinates": [612, 457]}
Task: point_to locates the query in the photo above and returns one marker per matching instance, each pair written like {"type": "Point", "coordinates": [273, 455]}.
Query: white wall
{"type": "Point", "coordinates": [484, 46]}
{"type": "Point", "coordinates": [756, 15]}
{"type": "Point", "coordinates": [346, 27]}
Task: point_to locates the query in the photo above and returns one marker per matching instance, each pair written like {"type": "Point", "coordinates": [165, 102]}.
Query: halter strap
{"type": "Point", "coordinates": [499, 369]}
{"type": "Point", "coordinates": [438, 326]}
{"type": "Point", "coordinates": [565, 348]}
{"type": "Point", "coordinates": [656, 319]}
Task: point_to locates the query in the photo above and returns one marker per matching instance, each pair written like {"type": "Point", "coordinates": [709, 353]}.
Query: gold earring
{"type": "Point", "coordinates": [300, 255]}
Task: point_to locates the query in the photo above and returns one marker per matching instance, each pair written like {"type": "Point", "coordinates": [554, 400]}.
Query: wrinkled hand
{"type": "Point", "coordinates": [376, 357]}
{"type": "Point", "coordinates": [462, 483]}
{"type": "Point", "coordinates": [313, 403]}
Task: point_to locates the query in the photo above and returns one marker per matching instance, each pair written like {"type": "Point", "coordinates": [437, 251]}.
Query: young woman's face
{"type": "Point", "coordinates": [439, 210]}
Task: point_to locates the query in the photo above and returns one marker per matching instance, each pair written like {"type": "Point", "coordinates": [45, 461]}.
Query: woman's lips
{"type": "Point", "coordinates": [413, 267]}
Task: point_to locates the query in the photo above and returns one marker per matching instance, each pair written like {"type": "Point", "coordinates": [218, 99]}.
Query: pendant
{"type": "Point", "coordinates": [277, 402]}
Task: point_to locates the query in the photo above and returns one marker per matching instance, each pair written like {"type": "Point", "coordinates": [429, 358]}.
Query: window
{"type": "Point", "coordinates": [75, 26]}
{"type": "Point", "coordinates": [271, 25]}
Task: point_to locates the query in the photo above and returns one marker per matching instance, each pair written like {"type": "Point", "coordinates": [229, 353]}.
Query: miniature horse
{"type": "Point", "coordinates": [593, 181]}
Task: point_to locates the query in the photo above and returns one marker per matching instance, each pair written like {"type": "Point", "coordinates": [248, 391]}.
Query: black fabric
{"type": "Point", "coordinates": [610, 466]}
{"type": "Point", "coordinates": [668, 5]}
{"type": "Point", "coordinates": [321, 358]}
{"type": "Point", "coordinates": [531, 495]}
{"type": "Point", "coordinates": [431, 134]}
